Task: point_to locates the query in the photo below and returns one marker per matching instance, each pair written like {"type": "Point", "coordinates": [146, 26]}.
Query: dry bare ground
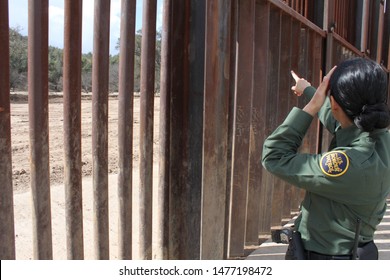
{"type": "Point", "coordinates": [20, 137]}
{"type": "Point", "coordinates": [21, 175]}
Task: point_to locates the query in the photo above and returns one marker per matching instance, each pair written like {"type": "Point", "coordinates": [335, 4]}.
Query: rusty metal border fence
{"type": "Point", "coordinates": [225, 85]}
{"type": "Point", "coordinates": [38, 29]}
{"type": "Point", "coordinates": [72, 129]}
{"type": "Point", "coordinates": [7, 229]}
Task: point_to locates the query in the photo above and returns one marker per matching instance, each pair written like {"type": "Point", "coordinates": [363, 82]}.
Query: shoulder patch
{"type": "Point", "coordinates": [334, 163]}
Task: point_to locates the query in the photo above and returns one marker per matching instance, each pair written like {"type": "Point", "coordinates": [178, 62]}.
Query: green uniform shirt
{"type": "Point", "coordinates": [350, 181]}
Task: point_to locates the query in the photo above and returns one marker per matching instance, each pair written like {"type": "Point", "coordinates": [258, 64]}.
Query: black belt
{"type": "Point", "coordinates": [367, 251]}
{"type": "Point", "coordinates": [317, 256]}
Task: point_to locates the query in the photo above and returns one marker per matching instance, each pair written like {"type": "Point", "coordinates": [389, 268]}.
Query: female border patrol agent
{"type": "Point", "coordinates": [346, 187]}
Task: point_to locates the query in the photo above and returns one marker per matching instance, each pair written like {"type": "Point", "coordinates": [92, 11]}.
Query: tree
{"type": "Point", "coordinates": [55, 68]}
{"type": "Point", "coordinates": [114, 74]}
{"type": "Point", "coordinates": [158, 61]}
{"type": "Point", "coordinates": [18, 59]}
{"type": "Point", "coordinates": [86, 72]}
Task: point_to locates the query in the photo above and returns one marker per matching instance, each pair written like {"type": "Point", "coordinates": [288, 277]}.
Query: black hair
{"type": "Point", "coordinates": [359, 86]}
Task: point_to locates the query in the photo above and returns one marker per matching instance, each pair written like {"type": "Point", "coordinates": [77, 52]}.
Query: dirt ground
{"type": "Point", "coordinates": [21, 175]}
{"type": "Point", "coordinates": [20, 138]}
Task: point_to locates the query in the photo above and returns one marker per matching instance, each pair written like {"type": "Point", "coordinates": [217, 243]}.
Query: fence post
{"type": "Point", "coordinates": [187, 89]}
{"type": "Point", "coordinates": [146, 128]}
{"type": "Point", "coordinates": [285, 94]}
{"type": "Point", "coordinates": [380, 35]}
{"type": "Point", "coordinates": [215, 128]}
{"type": "Point", "coordinates": [295, 48]}
{"type": "Point", "coordinates": [100, 127]}
{"type": "Point", "coordinates": [125, 127]}
{"type": "Point", "coordinates": [386, 41]}
{"type": "Point", "coordinates": [329, 15]}
{"type": "Point", "coordinates": [274, 108]}
{"type": "Point", "coordinates": [262, 36]}
{"type": "Point", "coordinates": [72, 129]}
{"type": "Point", "coordinates": [256, 207]}
{"type": "Point", "coordinates": [39, 128]}
{"type": "Point", "coordinates": [7, 229]}
{"type": "Point", "coordinates": [162, 211]}
{"type": "Point", "coordinates": [240, 156]}
{"type": "Point", "coordinates": [232, 87]}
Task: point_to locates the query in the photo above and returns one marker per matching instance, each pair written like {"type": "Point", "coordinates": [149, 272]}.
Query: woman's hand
{"type": "Point", "coordinates": [318, 99]}
{"type": "Point", "coordinates": [300, 84]}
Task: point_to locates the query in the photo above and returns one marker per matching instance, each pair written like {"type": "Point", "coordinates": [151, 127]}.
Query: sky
{"type": "Point", "coordinates": [18, 11]}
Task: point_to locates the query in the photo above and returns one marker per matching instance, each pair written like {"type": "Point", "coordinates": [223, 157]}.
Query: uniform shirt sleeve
{"type": "Point", "coordinates": [325, 114]}
{"type": "Point", "coordinates": [281, 158]}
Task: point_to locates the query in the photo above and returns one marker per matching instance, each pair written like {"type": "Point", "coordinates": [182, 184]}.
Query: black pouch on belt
{"type": "Point", "coordinates": [368, 251]}
{"type": "Point", "coordinates": [295, 250]}
{"type": "Point", "coordinates": [297, 246]}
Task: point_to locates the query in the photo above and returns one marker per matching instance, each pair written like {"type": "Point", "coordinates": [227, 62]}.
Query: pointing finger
{"type": "Point", "coordinates": [325, 82]}
{"type": "Point", "coordinates": [331, 72]}
{"type": "Point", "coordinates": [295, 76]}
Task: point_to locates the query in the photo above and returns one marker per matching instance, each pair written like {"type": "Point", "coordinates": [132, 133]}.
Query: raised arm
{"type": "Point", "coordinates": [302, 86]}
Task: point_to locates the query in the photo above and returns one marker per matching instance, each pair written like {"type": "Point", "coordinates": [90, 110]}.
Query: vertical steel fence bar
{"type": "Point", "coordinates": [257, 133]}
{"type": "Point", "coordinates": [329, 18]}
{"type": "Point", "coordinates": [262, 37]}
{"type": "Point", "coordinates": [380, 36]}
{"type": "Point", "coordinates": [306, 9]}
{"type": "Point", "coordinates": [187, 77]}
{"type": "Point", "coordinates": [72, 129]}
{"type": "Point", "coordinates": [317, 77]}
{"type": "Point", "coordinates": [303, 70]}
{"type": "Point", "coordinates": [39, 128]}
{"type": "Point", "coordinates": [295, 47]}
{"type": "Point", "coordinates": [125, 127]}
{"type": "Point", "coordinates": [240, 157]}
{"type": "Point", "coordinates": [232, 86]}
{"type": "Point", "coordinates": [285, 93]}
{"type": "Point", "coordinates": [386, 39]}
{"type": "Point", "coordinates": [7, 229]}
{"type": "Point", "coordinates": [100, 126]}
{"type": "Point", "coordinates": [365, 25]}
{"type": "Point", "coordinates": [275, 111]}
{"type": "Point", "coordinates": [215, 128]}
{"type": "Point", "coordinates": [146, 128]}
{"type": "Point", "coordinates": [262, 45]}
{"type": "Point", "coordinates": [179, 88]}
{"type": "Point", "coordinates": [194, 134]}
{"type": "Point", "coordinates": [162, 213]}
{"type": "Point", "coordinates": [313, 68]}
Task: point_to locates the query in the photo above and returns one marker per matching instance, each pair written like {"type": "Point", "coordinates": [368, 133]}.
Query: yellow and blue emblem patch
{"type": "Point", "coordinates": [334, 163]}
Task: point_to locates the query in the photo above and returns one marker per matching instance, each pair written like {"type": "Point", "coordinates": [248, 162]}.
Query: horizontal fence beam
{"type": "Point", "coordinates": [347, 44]}
{"type": "Point", "coordinates": [286, 9]}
